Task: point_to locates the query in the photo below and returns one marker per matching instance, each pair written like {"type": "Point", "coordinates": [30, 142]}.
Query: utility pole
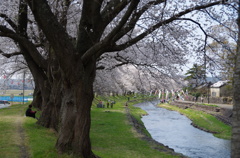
{"type": "Point", "coordinates": [23, 84]}
{"type": "Point", "coordinates": [208, 91]}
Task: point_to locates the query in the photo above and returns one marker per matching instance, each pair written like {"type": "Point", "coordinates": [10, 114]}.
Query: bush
{"type": "Point", "coordinates": [225, 99]}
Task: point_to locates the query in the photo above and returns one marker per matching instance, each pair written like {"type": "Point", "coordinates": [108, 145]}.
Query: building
{"type": "Point", "coordinates": [220, 89]}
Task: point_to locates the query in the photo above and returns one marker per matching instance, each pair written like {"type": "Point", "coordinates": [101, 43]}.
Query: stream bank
{"type": "Point", "coordinates": [175, 131]}
{"type": "Point", "coordinates": [222, 114]}
{"type": "Point", "coordinates": [139, 128]}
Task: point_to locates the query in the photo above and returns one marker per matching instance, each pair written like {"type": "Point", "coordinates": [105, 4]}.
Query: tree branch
{"type": "Point", "coordinates": [63, 19]}
{"type": "Point", "coordinates": [112, 9]}
{"type": "Point", "coordinates": [9, 21]}
{"type": "Point", "coordinates": [218, 21]}
{"type": "Point", "coordinates": [135, 17]}
{"type": "Point", "coordinates": [33, 52]}
{"type": "Point", "coordinates": [161, 23]}
{"type": "Point", "coordinates": [98, 46]}
{"type": "Point", "coordinates": [22, 18]}
{"type": "Point", "coordinates": [54, 31]}
{"type": "Point", "coordinates": [124, 19]}
{"type": "Point", "coordinates": [9, 55]}
{"type": "Point", "coordinates": [90, 27]}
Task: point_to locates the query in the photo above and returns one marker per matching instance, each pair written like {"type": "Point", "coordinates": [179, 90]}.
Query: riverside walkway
{"type": "Point", "coordinates": [226, 106]}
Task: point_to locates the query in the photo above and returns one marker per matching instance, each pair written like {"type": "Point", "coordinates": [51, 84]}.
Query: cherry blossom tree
{"type": "Point", "coordinates": [65, 42]}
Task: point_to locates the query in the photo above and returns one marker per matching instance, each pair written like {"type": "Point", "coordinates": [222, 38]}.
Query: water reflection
{"type": "Point", "coordinates": [175, 130]}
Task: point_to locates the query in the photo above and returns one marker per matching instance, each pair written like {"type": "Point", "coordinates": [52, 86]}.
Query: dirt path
{"type": "Point", "coordinates": [21, 137]}
{"type": "Point", "coordinates": [226, 106]}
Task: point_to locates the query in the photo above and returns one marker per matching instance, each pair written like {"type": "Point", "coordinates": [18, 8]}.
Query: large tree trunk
{"type": "Point", "coordinates": [51, 110]}
{"type": "Point", "coordinates": [50, 116]}
{"type": "Point", "coordinates": [235, 150]}
{"type": "Point", "coordinates": [53, 98]}
{"type": "Point", "coordinates": [75, 112]}
{"type": "Point", "coordinates": [37, 98]}
{"type": "Point", "coordinates": [76, 120]}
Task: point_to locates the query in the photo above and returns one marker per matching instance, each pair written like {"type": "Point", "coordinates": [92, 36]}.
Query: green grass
{"type": "Point", "coordinates": [204, 120]}
{"type": "Point", "coordinates": [16, 92]}
{"type": "Point", "coordinates": [41, 140]}
{"type": "Point", "coordinates": [114, 138]}
{"type": "Point", "coordinates": [8, 144]}
{"type": "Point", "coordinates": [137, 113]}
{"type": "Point", "coordinates": [111, 134]}
{"type": "Point", "coordinates": [209, 105]}
{"type": "Point", "coordinates": [9, 140]}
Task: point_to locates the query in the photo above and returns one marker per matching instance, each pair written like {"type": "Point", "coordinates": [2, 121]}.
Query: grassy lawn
{"type": "Point", "coordinates": [16, 92]}
{"type": "Point", "coordinates": [111, 134]}
{"type": "Point", "coordinates": [41, 141]}
{"type": "Point", "coordinates": [203, 120]}
{"type": "Point", "coordinates": [9, 128]}
{"type": "Point", "coordinates": [209, 104]}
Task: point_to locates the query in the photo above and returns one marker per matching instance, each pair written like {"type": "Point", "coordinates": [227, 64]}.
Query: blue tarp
{"type": "Point", "coordinates": [16, 98]}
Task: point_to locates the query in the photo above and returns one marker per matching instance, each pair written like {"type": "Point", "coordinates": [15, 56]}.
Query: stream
{"type": "Point", "coordinates": [175, 130]}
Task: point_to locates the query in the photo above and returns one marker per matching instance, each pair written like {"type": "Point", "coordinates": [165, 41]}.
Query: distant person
{"type": "Point", "coordinates": [196, 98]}
{"type": "Point", "coordinates": [177, 97]}
{"type": "Point", "coordinates": [100, 104]}
{"type": "Point", "coordinates": [202, 99]}
{"type": "Point", "coordinates": [103, 106]}
{"type": "Point", "coordinates": [30, 113]}
{"type": "Point", "coordinates": [112, 102]}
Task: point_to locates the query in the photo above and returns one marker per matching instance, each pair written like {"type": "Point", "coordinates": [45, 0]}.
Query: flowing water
{"type": "Point", "coordinates": [175, 130]}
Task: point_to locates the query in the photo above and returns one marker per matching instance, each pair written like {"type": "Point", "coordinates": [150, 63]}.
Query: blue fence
{"type": "Point", "coordinates": [16, 98]}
